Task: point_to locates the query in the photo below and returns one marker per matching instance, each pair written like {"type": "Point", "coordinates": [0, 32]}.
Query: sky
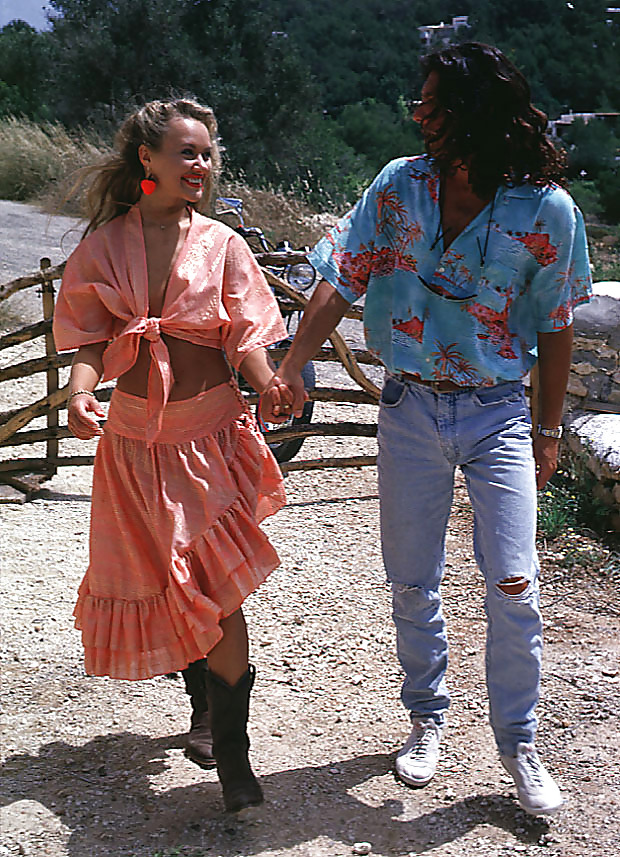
{"type": "Point", "coordinates": [31, 11]}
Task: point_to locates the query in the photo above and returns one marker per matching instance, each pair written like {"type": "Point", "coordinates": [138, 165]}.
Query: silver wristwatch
{"type": "Point", "coordinates": [550, 432]}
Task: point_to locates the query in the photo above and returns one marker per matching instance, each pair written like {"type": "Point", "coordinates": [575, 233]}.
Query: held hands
{"type": "Point", "coordinates": [82, 413]}
{"type": "Point", "coordinates": [283, 397]}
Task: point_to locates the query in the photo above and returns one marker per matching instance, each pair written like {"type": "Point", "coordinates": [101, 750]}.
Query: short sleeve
{"type": "Point", "coordinates": [252, 310]}
{"type": "Point", "coordinates": [344, 257]}
{"type": "Point", "coordinates": [80, 315]}
{"type": "Point", "coordinates": [564, 278]}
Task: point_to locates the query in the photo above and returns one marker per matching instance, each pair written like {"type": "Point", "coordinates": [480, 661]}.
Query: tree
{"type": "Point", "coordinates": [24, 61]}
{"type": "Point", "coordinates": [108, 54]}
{"type": "Point", "coordinates": [591, 148]}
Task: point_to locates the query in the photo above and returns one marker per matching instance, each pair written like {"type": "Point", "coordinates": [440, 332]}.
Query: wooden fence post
{"type": "Point", "coordinates": [47, 294]}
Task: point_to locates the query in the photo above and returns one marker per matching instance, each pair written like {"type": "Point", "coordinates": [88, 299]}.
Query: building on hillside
{"type": "Point", "coordinates": [558, 126]}
{"type": "Point", "coordinates": [613, 15]}
{"type": "Point", "coordinates": [433, 34]}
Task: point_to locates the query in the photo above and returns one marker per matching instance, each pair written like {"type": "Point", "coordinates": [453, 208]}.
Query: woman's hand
{"type": "Point", "coordinates": [282, 398]}
{"type": "Point", "coordinates": [83, 412]}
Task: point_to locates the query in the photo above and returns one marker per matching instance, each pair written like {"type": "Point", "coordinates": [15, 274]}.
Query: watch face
{"type": "Point", "coordinates": [550, 432]}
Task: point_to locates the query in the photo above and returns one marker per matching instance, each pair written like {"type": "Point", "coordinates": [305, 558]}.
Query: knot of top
{"type": "Point", "coordinates": [152, 329]}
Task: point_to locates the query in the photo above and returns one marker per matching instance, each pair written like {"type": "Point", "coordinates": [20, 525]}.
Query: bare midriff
{"type": "Point", "coordinates": [195, 368]}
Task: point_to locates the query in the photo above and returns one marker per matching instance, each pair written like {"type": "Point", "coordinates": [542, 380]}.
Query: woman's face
{"type": "Point", "coordinates": [182, 163]}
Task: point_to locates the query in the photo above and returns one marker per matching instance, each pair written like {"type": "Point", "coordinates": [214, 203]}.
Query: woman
{"type": "Point", "coordinates": [166, 301]}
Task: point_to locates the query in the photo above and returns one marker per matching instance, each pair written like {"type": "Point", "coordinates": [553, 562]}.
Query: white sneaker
{"type": "Point", "coordinates": [417, 761]}
{"type": "Point", "coordinates": [536, 791]}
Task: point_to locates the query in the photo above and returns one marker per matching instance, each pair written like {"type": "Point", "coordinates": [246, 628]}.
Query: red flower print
{"type": "Point", "coordinates": [540, 247]}
{"type": "Point", "coordinates": [393, 220]}
{"type": "Point", "coordinates": [406, 263]}
{"type": "Point", "coordinates": [389, 206]}
{"type": "Point", "coordinates": [384, 262]}
{"type": "Point", "coordinates": [354, 269]}
{"type": "Point", "coordinates": [561, 316]}
{"type": "Point", "coordinates": [413, 328]}
{"type": "Point", "coordinates": [432, 182]}
{"type": "Point", "coordinates": [496, 324]}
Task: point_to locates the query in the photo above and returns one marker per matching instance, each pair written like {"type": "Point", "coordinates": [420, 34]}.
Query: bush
{"type": "Point", "coordinates": [608, 185]}
{"type": "Point", "coordinates": [586, 195]}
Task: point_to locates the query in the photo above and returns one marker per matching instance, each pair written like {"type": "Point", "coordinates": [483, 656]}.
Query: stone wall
{"type": "Point", "coordinates": [592, 412]}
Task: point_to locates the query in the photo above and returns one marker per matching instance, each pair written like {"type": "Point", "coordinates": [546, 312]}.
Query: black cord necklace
{"type": "Point", "coordinates": [441, 233]}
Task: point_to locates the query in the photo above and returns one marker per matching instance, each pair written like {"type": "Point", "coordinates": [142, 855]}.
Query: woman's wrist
{"type": "Point", "coordinates": [75, 393]}
{"type": "Point", "coordinates": [272, 382]}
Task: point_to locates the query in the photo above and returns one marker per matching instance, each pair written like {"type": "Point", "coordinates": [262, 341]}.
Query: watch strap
{"type": "Point", "coordinates": [550, 432]}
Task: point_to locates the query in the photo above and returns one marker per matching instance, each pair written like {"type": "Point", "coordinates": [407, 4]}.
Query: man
{"type": "Point", "coordinates": [471, 259]}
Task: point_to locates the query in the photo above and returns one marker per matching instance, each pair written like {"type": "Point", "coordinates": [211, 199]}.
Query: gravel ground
{"type": "Point", "coordinates": [94, 767]}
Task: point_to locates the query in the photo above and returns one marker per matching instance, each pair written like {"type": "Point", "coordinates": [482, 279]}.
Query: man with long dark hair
{"type": "Point", "coordinates": [471, 259]}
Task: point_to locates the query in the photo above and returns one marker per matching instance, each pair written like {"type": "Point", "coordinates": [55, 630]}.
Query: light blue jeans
{"type": "Point", "coordinates": [423, 436]}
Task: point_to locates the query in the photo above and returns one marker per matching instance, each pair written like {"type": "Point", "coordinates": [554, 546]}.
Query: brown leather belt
{"type": "Point", "coordinates": [444, 386]}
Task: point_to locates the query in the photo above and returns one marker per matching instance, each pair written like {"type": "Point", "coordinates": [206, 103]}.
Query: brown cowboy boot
{"type": "Point", "coordinates": [229, 709]}
{"type": "Point", "coordinates": [198, 741]}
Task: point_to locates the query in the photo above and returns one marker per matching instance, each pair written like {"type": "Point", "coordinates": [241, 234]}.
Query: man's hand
{"type": "Point", "coordinates": [546, 457]}
{"type": "Point", "coordinates": [83, 412]}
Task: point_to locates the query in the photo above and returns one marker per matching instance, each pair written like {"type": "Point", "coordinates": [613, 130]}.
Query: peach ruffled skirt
{"type": "Point", "coordinates": [175, 544]}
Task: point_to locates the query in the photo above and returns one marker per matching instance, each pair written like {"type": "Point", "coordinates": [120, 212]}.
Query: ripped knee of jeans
{"type": "Point", "coordinates": [408, 601]}
{"type": "Point", "coordinates": [516, 588]}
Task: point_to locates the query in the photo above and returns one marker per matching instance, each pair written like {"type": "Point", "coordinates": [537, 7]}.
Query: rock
{"type": "Point", "coordinates": [362, 848]}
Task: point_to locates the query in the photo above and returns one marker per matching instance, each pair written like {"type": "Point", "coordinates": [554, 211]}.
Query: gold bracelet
{"type": "Point", "coordinates": [80, 393]}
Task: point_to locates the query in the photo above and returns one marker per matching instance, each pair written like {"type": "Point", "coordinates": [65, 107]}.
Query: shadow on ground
{"type": "Point", "coordinates": [104, 795]}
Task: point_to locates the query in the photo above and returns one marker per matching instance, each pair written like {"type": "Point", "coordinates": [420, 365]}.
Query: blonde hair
{"type": "Point", "coordinates": [116, 183]}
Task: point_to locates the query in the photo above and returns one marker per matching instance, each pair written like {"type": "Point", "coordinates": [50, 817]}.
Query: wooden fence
{"type": "Point", "coordinates": [20, 475]}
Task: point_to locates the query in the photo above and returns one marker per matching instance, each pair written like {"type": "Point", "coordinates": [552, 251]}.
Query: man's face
{"type": "Point", "coordinates": [429, 115]}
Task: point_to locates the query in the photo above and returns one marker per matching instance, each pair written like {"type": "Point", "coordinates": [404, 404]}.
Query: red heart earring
{"type": "Point", "coordinates": [148, 185]}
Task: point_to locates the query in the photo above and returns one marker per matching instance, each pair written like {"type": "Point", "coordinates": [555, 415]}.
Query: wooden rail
{"type": "Point", "coordinates": [26, 472]}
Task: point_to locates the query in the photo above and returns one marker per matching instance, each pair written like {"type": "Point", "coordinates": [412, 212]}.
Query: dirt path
{"type": "Point", "coordinates": [94, 768]}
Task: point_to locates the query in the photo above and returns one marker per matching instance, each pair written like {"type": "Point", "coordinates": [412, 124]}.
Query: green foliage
{"type": "Point", "coordinates": [586, 195]}
{"type": "Point", "coordinates": [378, 133]}
{"type": "Point", "coordinates": [591, 148]}
{"type": "Point", "coordinates": [567, 51]}
{"type": "Point", "coordinates": [106, 54]}
{"type": "Point", "coordinates": [223, 52]}
{"type": "Point", "coordinates": [356, 50]}
{"type": "Point", "coordinates": [609, 191]}
{"type": "Point", "coordinates": [567, 503]}
{"type": "Point", "coordinates": [308, 93]}
{"type": "Point", "coordinates": [24, 55]}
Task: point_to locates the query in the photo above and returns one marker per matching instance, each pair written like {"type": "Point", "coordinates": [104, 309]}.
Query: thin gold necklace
{"type": "Point", "coordinates": [179, 223]}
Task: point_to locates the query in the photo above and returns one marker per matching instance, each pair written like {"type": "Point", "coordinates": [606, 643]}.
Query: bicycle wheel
{"type": "Point", "coordinates": [301, 276]}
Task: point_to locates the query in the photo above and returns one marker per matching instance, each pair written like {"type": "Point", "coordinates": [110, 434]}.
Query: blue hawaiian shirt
{"type": "Point", "coordinates": [471, 313]}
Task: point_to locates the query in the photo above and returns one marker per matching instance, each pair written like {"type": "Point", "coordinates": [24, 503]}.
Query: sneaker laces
{"type": "Point", "coordinates": [419, 748]}
{"type": "Point", "coordinates": [534, 768]}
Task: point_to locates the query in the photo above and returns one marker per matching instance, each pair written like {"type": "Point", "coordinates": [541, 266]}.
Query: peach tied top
{"type": "Point", "coordinates": [216, 296]}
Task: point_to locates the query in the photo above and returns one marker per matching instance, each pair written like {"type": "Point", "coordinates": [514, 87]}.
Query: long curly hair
{"type": "Point", "coordinates": [116, 183]}
{"type": "Point", "coordinates": [489, 122]}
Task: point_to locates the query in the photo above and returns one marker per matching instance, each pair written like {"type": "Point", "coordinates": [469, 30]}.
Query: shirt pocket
{"type": "Point", "coordinates": [501, 276]}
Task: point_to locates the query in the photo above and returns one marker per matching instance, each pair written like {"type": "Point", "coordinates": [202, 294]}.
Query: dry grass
{"type": "Point", "coordinates": [41, 161]}
{"type": "Point", "coordinates": [279, 215]}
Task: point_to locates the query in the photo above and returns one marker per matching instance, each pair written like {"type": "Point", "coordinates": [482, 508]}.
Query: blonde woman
{"type": "Point", "coordinates": [167, 300]}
